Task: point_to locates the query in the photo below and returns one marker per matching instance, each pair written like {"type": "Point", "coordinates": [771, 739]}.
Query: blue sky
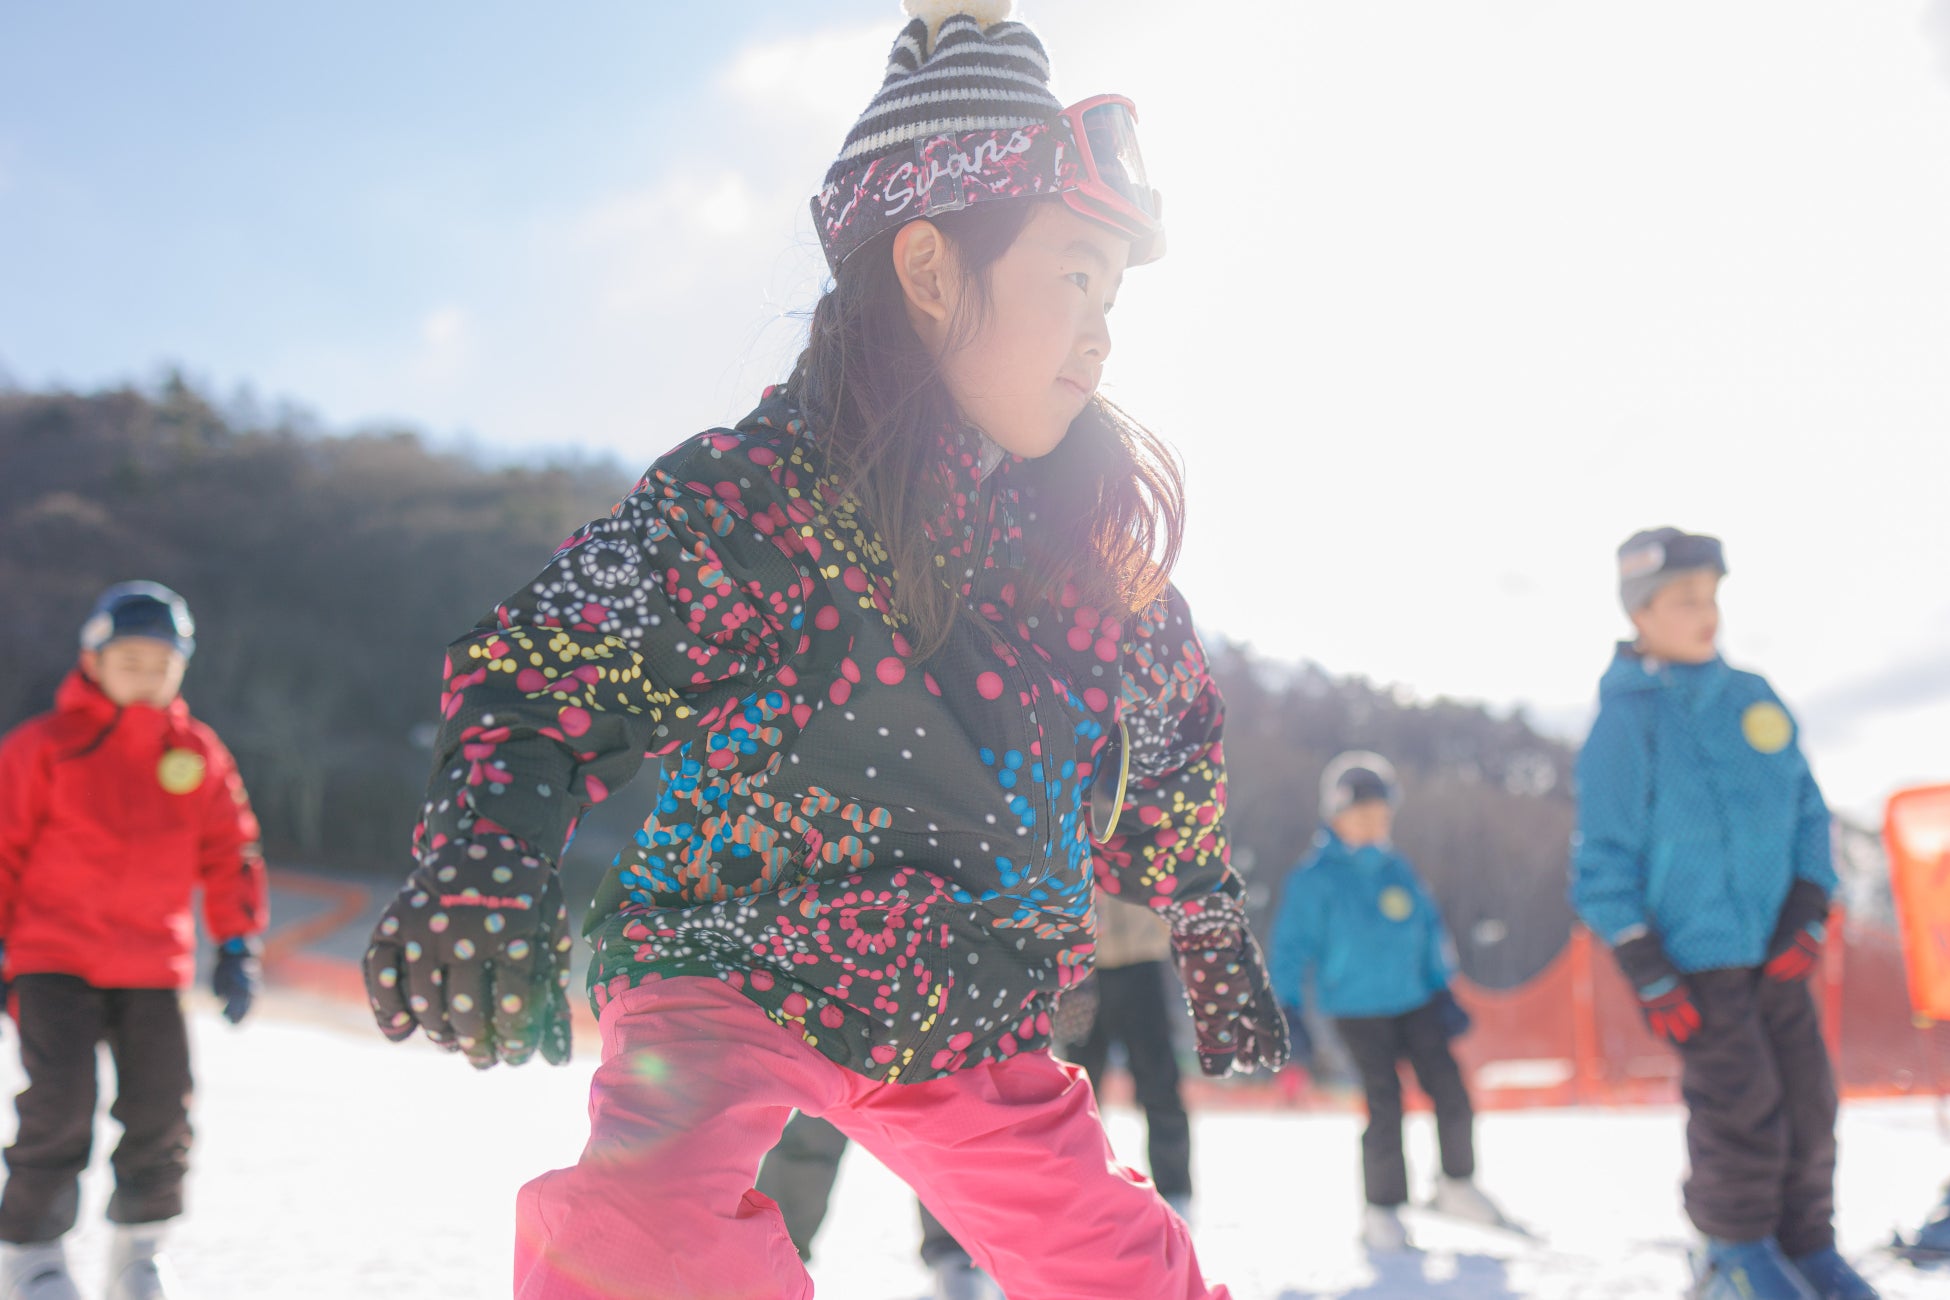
{"type": "Point", "coordinates": [1459, 295]}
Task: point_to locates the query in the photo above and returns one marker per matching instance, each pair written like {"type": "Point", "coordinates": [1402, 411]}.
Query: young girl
{"type": "Point", "coordinates": [894, 644]}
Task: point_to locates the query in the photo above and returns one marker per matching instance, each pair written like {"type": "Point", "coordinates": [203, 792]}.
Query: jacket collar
{"type": "Point", "coordinates": [976, 528]}
{"type": "Point", "coordinates": [1695, 685]}
{"type": "Point", "coordinates": [79, 696]}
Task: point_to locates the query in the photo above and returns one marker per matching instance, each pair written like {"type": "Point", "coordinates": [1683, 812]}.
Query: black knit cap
{"type": "Point", "coordinates": [957, 67]}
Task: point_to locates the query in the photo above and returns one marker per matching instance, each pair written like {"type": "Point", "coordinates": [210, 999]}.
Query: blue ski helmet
{"type": "Point", "coordinates": [146, 609]}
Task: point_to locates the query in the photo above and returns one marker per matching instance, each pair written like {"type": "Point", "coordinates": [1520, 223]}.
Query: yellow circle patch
{"type": "Point", "coordinates": [1767, 727]}
{"type": "Point", "coordinates": [180, 771]}
{"type": "Point", "coordinates": [1396, 903]}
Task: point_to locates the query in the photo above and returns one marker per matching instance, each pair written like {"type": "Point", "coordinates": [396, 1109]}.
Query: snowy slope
{"type": "Point", "coordinates": [333, 1166]}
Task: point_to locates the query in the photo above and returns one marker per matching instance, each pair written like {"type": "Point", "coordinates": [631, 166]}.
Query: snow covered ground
{"type": "Point", "coordinates": [331, 1165]}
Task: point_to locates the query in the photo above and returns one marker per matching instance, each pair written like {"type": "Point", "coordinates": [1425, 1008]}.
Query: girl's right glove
{"type": "Point", "coordinates": [475, 952]}
{"type": "Point", "coordinates": [1238, 1023]}
{"type": "Point", "coordinates": [1664, 1000]}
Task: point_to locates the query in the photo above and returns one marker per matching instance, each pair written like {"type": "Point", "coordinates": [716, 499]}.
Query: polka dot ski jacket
{"type": "Point", "coordinates": [892, 859]}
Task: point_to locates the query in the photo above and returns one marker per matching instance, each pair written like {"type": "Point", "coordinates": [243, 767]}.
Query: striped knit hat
{"type": "Point", "coordinates": [957, 67]}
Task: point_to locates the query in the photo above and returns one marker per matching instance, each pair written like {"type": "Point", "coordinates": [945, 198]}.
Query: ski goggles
{"type": "Point", "coordinates": [1088, 155]}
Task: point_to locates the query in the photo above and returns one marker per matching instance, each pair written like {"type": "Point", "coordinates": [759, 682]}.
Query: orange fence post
{"type": "Point", "coordinates": [1834, 958]}
{"type": "Point", "coordinates": [1587, 1066]}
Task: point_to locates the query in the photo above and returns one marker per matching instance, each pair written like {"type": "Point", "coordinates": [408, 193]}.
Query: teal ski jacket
{"type": "Point", "coordinates": [1361, 925]}
{"type": "Point", "coordinates": [1696, 812]}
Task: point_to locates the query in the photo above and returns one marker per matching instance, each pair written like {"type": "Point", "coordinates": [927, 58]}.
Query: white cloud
{"type": "Point", "coordinates": [648, 248]}
{"type": "Point", "coordinates": [829, 75]}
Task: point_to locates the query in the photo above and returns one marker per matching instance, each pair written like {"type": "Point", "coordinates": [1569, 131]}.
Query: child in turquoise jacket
{"type": "Point", "coordinates": [1702, 857]}
{"type": "Point", "coordinates": [1357, 924]}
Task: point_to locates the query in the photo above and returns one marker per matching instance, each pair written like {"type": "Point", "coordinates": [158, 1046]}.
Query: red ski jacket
{"type": "Point", "coordinates": [109, 820]}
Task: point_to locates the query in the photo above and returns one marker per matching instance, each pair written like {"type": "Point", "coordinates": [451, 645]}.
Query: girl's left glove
{"type": "Point", "coordinates": [237, 978]}
{"type": "Point", "coordinates": [1238, 1022]}
{"type": "Point", "coordinates": [475, 952]}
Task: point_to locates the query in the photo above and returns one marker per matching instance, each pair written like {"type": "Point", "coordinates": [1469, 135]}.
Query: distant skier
{"type": "Point", "coordinates": [114, 809]}
{"type": "Point", "coordinates": [1357, 924]}
{"type": "Point", "coordinates": [1703, 858]}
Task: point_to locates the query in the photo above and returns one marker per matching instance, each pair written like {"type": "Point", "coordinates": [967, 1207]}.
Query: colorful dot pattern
{"type": "Point", "coordinates": [890, 857]}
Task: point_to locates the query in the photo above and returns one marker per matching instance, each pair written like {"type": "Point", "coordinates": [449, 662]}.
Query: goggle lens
{"type": "Point", "coordinates": [1110, 131]}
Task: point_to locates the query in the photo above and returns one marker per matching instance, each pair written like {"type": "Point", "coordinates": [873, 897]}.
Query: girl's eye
{"type": "Point", "coordinates": [1081, 279]}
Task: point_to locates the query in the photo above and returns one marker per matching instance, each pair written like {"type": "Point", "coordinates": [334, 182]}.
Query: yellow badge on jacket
{"type": "Point", "coordinates": [180, 771]}
{"type": "Point", "coordinates": [1396, 904]}
{"type": "Point", "coordinates": [1767, 727]}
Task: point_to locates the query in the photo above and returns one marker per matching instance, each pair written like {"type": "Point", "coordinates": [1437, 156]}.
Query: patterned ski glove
{"type": "Point", "coordinates": [1664, 1000]}
{"type": "Point", "coordinates": [475, 951]}
{"type": "Point", "coordinates": [237, 977]}
{"type": "Point", "coordinates": [1455, 1020]}
{"type": "Point", "coordinates": [1799, 934]}
{"type": "Point", "coordinates": [1238, 1023]}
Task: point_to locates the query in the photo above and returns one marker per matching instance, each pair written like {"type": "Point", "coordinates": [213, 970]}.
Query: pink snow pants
{"type": "Point", "coordinates": [695, 1086]}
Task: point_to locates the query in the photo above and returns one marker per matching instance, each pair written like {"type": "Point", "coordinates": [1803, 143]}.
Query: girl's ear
{"type": "Point", "coordinates": [924, 264]}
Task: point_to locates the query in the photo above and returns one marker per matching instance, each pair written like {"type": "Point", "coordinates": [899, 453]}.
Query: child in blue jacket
{"type": "Point", "coordinates": [1356, 920]}
{"type": "Point", "coordinates": [1702, 857]}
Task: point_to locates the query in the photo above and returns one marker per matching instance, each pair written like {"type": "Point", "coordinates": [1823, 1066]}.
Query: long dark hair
{"type": "Point", "coordinates": [1112, 494]}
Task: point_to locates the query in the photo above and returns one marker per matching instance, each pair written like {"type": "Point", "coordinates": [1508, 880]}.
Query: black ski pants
{"type": "Point", "coordinates": [1135, 1005]}
{"type": "Point", "coordinates": [61, 1020]}
{"type": "Point", "coordinates": [799, 1173]}
{"type": "Point", "coordinates": [1760, 1112]}
{"type": "Point", "coordinates": [1377, 1044]}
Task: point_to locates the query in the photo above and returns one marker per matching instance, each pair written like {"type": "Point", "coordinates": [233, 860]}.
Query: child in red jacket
{"type": "Point", "coordinates": [114, 808]}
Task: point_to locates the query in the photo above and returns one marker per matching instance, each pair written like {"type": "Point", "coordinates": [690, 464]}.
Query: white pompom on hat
{"type": "Point", "coordinates": [958, 66]}
{"type": "Point", "coordinates": [936, 12]}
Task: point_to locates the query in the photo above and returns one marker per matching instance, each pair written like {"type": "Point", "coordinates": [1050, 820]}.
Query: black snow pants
{"type": "Point", "coordinates": [1377, 1043]}
{"type": "Point", "coordinates": [61, 1020]}
{"type": "Point", "coordinates": [1135, 1005]}
{"type": "Point", "coordinates": [799, 1174]}
{"type": "Point", "coordinates": [1760, 1112]}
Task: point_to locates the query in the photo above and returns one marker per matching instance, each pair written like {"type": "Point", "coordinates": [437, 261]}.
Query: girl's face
{"type": "Point", "coordinates": [1039, 351]}
{"type": "Point", "coordinates": [1681, 622]}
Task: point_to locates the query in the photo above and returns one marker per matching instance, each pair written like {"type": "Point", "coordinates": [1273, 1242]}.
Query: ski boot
{"type": "Point", "coordinates": [1831, 1276]}
{"type": "Point", "coordinates": [1461, 1198]}
{"type": "Point", "coordinates": [1929, 1248]}
{"type": "Point", "coordinates": [1382, 1229]}
{"type": "Point", "coordinates": [137, 1269]}
{"type": "Point", "coordinates": [37, 1270]}
{"type": "Point", "coordinates": [1748, 1270]}
{"type": "Point", "coordinates": [957, 1278]}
